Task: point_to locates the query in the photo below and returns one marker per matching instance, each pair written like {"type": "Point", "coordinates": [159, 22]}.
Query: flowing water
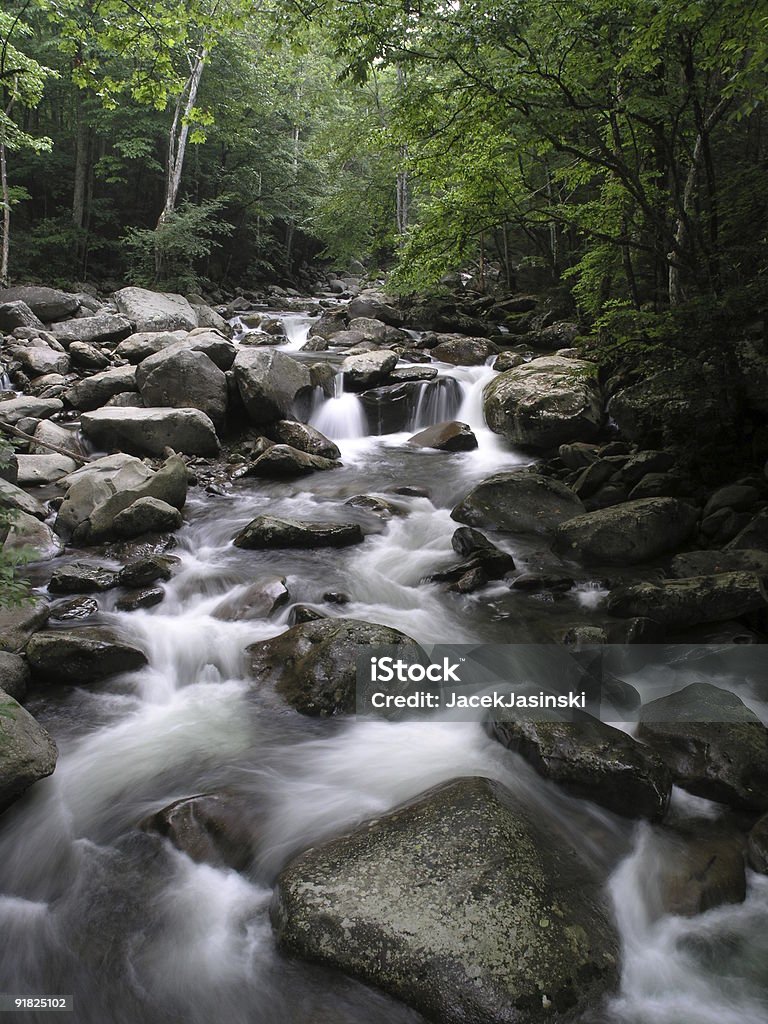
{"type": "Point", "coordinates": [140, 934]}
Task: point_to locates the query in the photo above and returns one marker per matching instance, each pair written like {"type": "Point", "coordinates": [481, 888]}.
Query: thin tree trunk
{"type": "Point", "coordinates": [6, 200]}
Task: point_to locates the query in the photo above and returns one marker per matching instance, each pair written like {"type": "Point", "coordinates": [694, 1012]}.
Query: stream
{"type": "Point", "coordinates": [139, 933]}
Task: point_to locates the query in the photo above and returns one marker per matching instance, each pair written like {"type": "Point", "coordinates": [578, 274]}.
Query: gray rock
{"type": "Point", "coordinates": [305, 438]}
{"type": "Point", "coordinates": [757, 846]}
{"type": "Point", "coordinates": [462, 903]}
{"type": "Point", "coordinates": [258, 601]}
{"type": "Point", "coordinates": [80, 656]}
{"type": "Point", "coordinates": [545, 403]}
{"type": "Point", "coordinates": [141, 345]}
{"type": "Point", "coordinates": [313, 665]}
{"type": "Point", "coordinates": [104, 329]}
{"type": "Point", "coordinates": [462, 351]}
{"type": "Point", "coordinates": [14, 676]}
{"type": "Point", "coordinates": [145, 598]}
{"type": "Point", "coordinates": [272, 385]}
{"type": "Point", "coordinates": [87, 356]}
{"type": "Point", "coordinates": [688, 602]}
{"type": "Point", "coordinates": [95, 391]}
{"type": "Point", "coordinates": [181, 378]}
{"type": "Point", "coordinates": [148, 569]}
{"type": "Point", "coordinates": [368, 369]}
{"type": "Point", "coordinates": [52, 433]}
{"type": "Point", "coordinates": [272, 532]}
{"type": "Point", "coordinates": [592, 760]}
{"type": "Point", "coordinates": [38, 360]}
{"type": "Point", "coordinates": [74, 610]}
{"type": "Point", "coordinates": [147, 515]}
{"type": "Point", "coordinates": [375, 305]}
{"type": "Point", "coordinates": [156, 311]}
{"type": "Point", "coordinates": [713, 744]}
{"type": "Point", "coordinates": [740, 497]}
{"type": "Point", "coordinates": [82, 578]}
{"type": "Point", "coordinates": [753, 536]}
{"type": "Point", "coordinates": [12, 496]}
{"type": "Point", "coordinates": [211, 828]}
{"type": "Point", "coordinates": [17, 314]}
{"type": "Point", "coordinates": [35, 540]}
{"type": "Point", "coordinates": [446, 437]}
{"type": "Point", "coordinates": [49, 304]}
{"type": "Point", "coordinates": [695, 869]}
{"type": "Point", "coordinates": [18, 624]}
{"type": "Point", "coordinates": [518, 503]}
{"type": "Point", "coordinates": [151, 431]}
{"type": "Point", "coordinates": [38, 470]}
{"type": "Point", "coordinates": [27, 752]}
{"type": "Point", "coordinates": [508, 361]}
{"type": "Point", "coordinates": [13, 410]}
{"type": "Point", "coordinates": [281, 460]}
{"type": "Point", "coordinates": [630, 533]}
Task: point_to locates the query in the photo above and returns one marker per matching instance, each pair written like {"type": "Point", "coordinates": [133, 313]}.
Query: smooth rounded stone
{"type": "Point", "coordinates": [210, 319]}
{"type": "Point", "coordinates": [462, 351]}
{"type": "Point", "coordinates": [578, 455]}
{"type": "Point", "coordinates": [305, 438]}
{"type": "Point", "coordinates": [658, 485]}
{"type": "Point", "coordinates": [313, 665]}
{"type": "Point", "coordinates": [27, 752]}
{"type": "Point", "coordinates": [13, 497]}
{"type": "Point", "coordinates": [619, 694]}
{"type": "Point", "coordinates": [592, 478]}
{"type": "Point", "coordinates": [103, 329]}
{"type": "Point", "coordinates": [697, 867]}
{"type": "Point", "coordinates": [180, 378]}
{"type": "Point", "coordinates": [446, 437]}
{"type": "Point", "coordinates": [14, 678]}
{"type": "Point", "coordinates": [627, 534]}
{"type": "Point", "coordinates": [688, 602]}
{"type": "Point", "coordinates": [592, 760]}
{"type": "Point", "coordinates": [519, 503]}
{"type": "Point", "coordinates": [147, 570]}
{"type": "Point", "coordinates": [461, 903]}
{"type": "Point", "coordinates": [94, 392]}
{"type": "Point", "coordinates": [155, 311]}
{"type": "Point", "coordinates": [139, 346]}
{"type": "Point", "coordinates": [375, 305]}
{"type": "Point", "coordinates": [413, 373]}
{"type": "Point", "coordinates": [211, 828]}
{"type": "Point", "coordinates": [126, 400]}
{"type": "Point", "coordinates": [644, 463]}
{"type": "Point", "coordinates": [739, 497]}
{"type": "Point", "coordinates": [710, 562]}
{"type": "Point", "coordinates": [389, 409]}
{"type": "Point", "coordinates": [303, 613]}
{"type": "Point", "coordinates": [368, 369]}
{"type": "Point", "coordinates": [145, 598]}
{"type": "Point", "coordinates": [87, 357]}
{"type": "Point", "coordinates": [347, 340]}
{"type": "Point", "coordinates": [82, 578]}
{"type": "Point", "coordinates": [281, 460]}
{"type": "Point", "coordinates": [74, 610]}
{"type": "Point", "coordinates": [85, 655]}
{"type": "Point", "coordinates": [272, 385]}
{"type": "Point", "coordinates": [258, 601]}
{"type": "Point", "coordinates": [48, 304]}
{"type": "Point", "coordinates": [371, 329]}
{"type": "Point", "coordinates": [637, 630]}
{"type": "Point", "coordinates": [331, 322]}
{"type": "Point", "coordinates": [51, 433]}
{"type": "Point", "coordinates": [714, 745]}
{"type": "Point", "coordinates": [32, 538]}
{"type": "Point", "coordinates": [335, 597]}
{"type": "Point", "coordinates": [13, 410]}
{"type": "Point", "coordinates": [38, 360]}
{"type": "Point", "coordinates": [375, 505]}
{"type": "Point", "coordinates": [265, 532]}
{"type": "Point", "coordinates": [545, 403]}
{"type": "Point", "coordinates": [38, 470]}
{"type": "Point", "coordinates": [151, 431]}
{"type": "Point", "coordinates": [581, 636]}
{"type": "Point", "coordinates": [323, 376]}
{"type": "Point", "coordinates": [467, 542]}
{"type": "Point", "coordinates": [312, 345]}
{"type": "Point", "coordinates": [17, 624]}
{"type": "Point", "coordinates": [538, 582]}
{"type": "Point", "coordinates": [508, 361]}
{"type": "Point", "coordinates": [147, 515]}
{"type": "Point", "coordinates": [17, 314]}
{"type": "Point", "coordinates": [754, 536]}
{"type": "Point", "coordinates": [757, 846]}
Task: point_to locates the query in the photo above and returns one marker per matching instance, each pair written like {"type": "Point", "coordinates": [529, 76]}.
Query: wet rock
{"type": "Point", "coordinates": [52, 433]}
{"type": "Point", "coordinates": [151, 431]}
{"type": "Point", "coordinates": [619, 695]}
{"type": "Point", "coordinates": [739, 497]}
{"type": "Point", "coordinates": [87, 357]}
{"type": "Point", "coordinates": [396, 904]}
{"type": "Point", "coordinates": [38, 360]}
{"type": "Point", "coordinates": [155, 311]}
{"type": "Point", "coordinates": [74, 610]}
{"type": "Point", "coordinates": [413, 373]}
{"type": "Point", "coordinates": [303, 613]}
{"type": "Point", "coordinates": [211, 828]}
{"type": "Point", "coordinates": [461, 351]}
{"type": "Point", "coordinates": [713, 744]}
{"type": "Point", "coordinates": [85, 655]}
{"type": "Point", "coordinates": [658, 485]}
{"type": "Point", "coordinates": [272, 386]}
{"type": "Point", "coordinates": [375, 305]}
{"type": "Point", "coordinates": [323, 376]}
{"type": "Point", "coordinates": [18, 624]}
{"type": "Point", "coordinates": [627, 534]}
{"type": "Point", "coordinates": [446, 437]}
{"type": "Point", "coordinates": [508, 361]}
{"type": "Point", "coordinates": [258, 601]}
{"type": "Point", "coordinates": [376, 506]}
{"type": "Point", "coordinates": [181, 378]}
{"type": "Point", "coordinates": [313, 665]}
{"type": "Point", "coordinates": [538, 582]}
{"type": "Point", "coordinates": [697, 869]}
{"type": "Point", "coordinates": [710, 563]}
{"type": "Point", "coordinates": [103, 329]}
{"type": "Point", "coordinates": [592, 760]}
{"type": "Point", "coordinates": [688, 602]}
{"type": "Point", "coordinates": [367, 370]}
{"type": "Point", "coordinates": [305, 438]}
{"type": "Point", "coordinates": [281, 460]}
{"type": "Point", "coordinates": [34, 539]}
{"type": "Point", "coordinates": [147, 515]}
{"type": "Point", "coordinates": [96, 391]}
{"type": "Point", "coordinates": [14, 677]}
{"type": "Point", "coordinates": [38, 470]}
{"type": "Point", "coordinates": [519, 503]}
{"type": "Point", "coordinates": [636, 630]}
{"type": "Point", "coordinates": [82, 578]}
{"type": "Point", "coordinates": [545, 403]}
{"type": "Point", "coordinates": [48, 304]}
{"type": "Point", "coordinates": [148, 570]}
{"type": "Point", "coordinates": [579, 636]}
{"type": "Point", "coordinates": [27, 752]}
{"type": "Point", "coordinates": [13, 497]}
{"type": "Point", "coordinates": [145, 598]}
{"type": "Point", "coordinates": [753, 536]}
{"type": "Point", "coordinates": [757, 846]}
{"type": "Point", "coordinates": [273, 532]}
{"type": "Point", "coordinates": [579, 455]}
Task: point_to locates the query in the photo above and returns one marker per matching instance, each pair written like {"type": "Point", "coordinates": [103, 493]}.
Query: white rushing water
{"type": "Point", "coordinates": [142, 935]}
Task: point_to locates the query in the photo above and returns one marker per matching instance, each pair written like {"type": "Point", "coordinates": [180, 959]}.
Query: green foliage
{"type": "Point", "coordinates": [13, 590]}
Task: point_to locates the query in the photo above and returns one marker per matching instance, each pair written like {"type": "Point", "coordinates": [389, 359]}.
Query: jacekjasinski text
{"type": "Point", "coordinates": [430, 699]}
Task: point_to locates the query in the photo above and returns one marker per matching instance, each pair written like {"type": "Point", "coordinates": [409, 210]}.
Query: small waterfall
{"type": "Point", "coordinates": [439, 400]}
{"type": "Point", "coordinates": [342, 417]}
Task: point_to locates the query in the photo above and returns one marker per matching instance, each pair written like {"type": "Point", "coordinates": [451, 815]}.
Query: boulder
{"type": "Point", "coordinates": [95, 391]}
{"type": "Point", "coordinates": [13, 497]}
{"type": "Point", "coordinates": [49, 304]}
{"type": "Point", "coordinates": [181, 378]}
{"type": "Point", "coordinates": [27, 752]}
{"type": "Point", "coordinates": [709, 563]}
{"type": "Point", "coordinates": [17, 314]}
{"type": "Point", "coordinates": [82, 578]}
{"type": "Point", "coordinates": [272, 385]}
{"type": "Point", "coordinates": [713, 744]}
{"type": "Point", "coordinates": [51, 433]}
{"type": "Point", "coordinates": [680, 603]}
{"type": "Point", "coordinates": [375, 305]}
{"type": "Point", "coordinates": [592, 760]}
{"type": "Point", "coordinates": [151, 431]}
{"type": "Point", "coordinates": [627, 534]}
{"type": "Point", "coordinates": [281, 460]}
{"type": "Point", "coordinates": [13, 410]}
{"type": "Point", "coordinates": [519, 503]}
{"type": "Point", "coordinates": [697, 867]}
{"type": "Point", "coordinates": [757, 845]}
{"type": "Point", "coordinates": [145, 598]}
{"type": "Point", "coordinates": [87, 357]}
{"type": "Point", "coordinates": [462, 903]}
{"type": "Point", "coordinates": [80, 656]}
{"type": "Point", "coordinates": [508, 361]}
{"type": "Point", "coordinates": [156, 311]}
{"type": "Point", "coordinates": [147, 515]}
{"type": "Point", "coordinates": [266, 531]}
{"type": "Point", "coordinates": [75, 609]}
{"type": "Point", "coordinates": [34, 540]}
{"type": "Point", "coordinates": [313, 665]}
{"type": "Point", "coordinates": [148, 569]}
{"type": "Point", "coordinates": [258, 601]}
{"type": "Point", "coordinates": [461, 351]}
{"type": "Point", "coordinates": [368, 369]}
{"type": "Point", "coordinates": [446, 437]}
{"type": "Point", "coordinates": [545, 403]}
{"type": "Point", "coordinates": [103, 329]}
{"type": "Point", "coordinates": [17, 624]}
{"type": "Point", "coordinates": [14, 676]}
{"type": "Point", "coordinates": [211, 828]}
{"type": "Point", "coordinates": [139, 346]}
{"type": "Point", "coordinates": [305, 438]}
{"type": "Point", "coordinates": [38, 470]}
{"type": "Point", "coordinates": [753, 536]}
{"type": "Point", "coordinates": [38, 360]}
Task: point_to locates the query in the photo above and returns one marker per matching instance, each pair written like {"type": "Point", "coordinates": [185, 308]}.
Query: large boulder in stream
{"type": "Point", "coordinates": [95, 391]}
{"type": "Point", "coordinates": [627, 534]}
{"type": "Point", "coordinates": [151, 431]}
{"type": "Point", "coordinates": [463, 903]}
{"type": "Point", "coordinates": [678, 604]}
{"type": "Point", "coordinates": [211, 828]}
{"type": "Point", "coordinates": [27, 752]}
{"type": "Point", "coordinates": [714, 745]}
{"type": "Point", "coordinates": [518, 503]}
{"type": "Point", "coordinates": [48, 304]}
{"type": "Point", "coordinates": [368, 369]}
{"type": "Point", "coordinates": [545, 403]}
{"type": "Point", "coordinates": [305, 438]}
{"type": "Point", "coordinates": [375, 305]}
{"type": "Point", "coordinates": [281, 460]}
{"type": "Point", "coordinates": [272, 386]}
{"type": "Point", "coordinates": [462, 351]}
{"type": "Point", "coordinates": [103, 329]}
{"type": "Point", "coordinates": [182, 378]}
{"type": "Point", "coordinates": [85, 655]}
{"type": "Point", "coordinates": [313, 665]}
{"type": "Point", "coordinates": [453, 436]}
{"type": "Point", "coordinates": [156, 311]}
{"type": "Point", "coordinates": [266, 532]}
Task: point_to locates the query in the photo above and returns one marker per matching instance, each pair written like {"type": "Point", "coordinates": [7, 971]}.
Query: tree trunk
{"type": "Point", "coordinates": [6, 202]}
{"type": "Point", "coordinates": [82, 165]}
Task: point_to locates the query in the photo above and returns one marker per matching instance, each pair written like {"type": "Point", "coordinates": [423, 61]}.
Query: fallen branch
{"type": "Point", "coordinates": [8, 428]}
